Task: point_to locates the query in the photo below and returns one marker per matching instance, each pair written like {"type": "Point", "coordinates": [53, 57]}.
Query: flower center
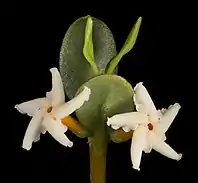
{"type": "Point", "coordinates": [49, 109]}
{"type": "Point", "coordinates": [150, 126]}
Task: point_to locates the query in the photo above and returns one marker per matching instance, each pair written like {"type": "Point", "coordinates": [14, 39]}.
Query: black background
{"type": "Point", "coordinates": [162, 58]}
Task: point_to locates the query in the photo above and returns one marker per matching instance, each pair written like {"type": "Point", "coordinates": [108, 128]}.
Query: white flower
{"type": "Point", "coordinates": [149, 126]}
{"type": "Point", "coordinates": [47, 112]}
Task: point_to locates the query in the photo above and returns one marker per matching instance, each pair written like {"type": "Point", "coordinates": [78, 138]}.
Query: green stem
{"type": "Point", "coordinates": [98, 151]}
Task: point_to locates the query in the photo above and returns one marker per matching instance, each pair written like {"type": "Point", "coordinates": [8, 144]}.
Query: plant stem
{"type": "Point", "coordinates": [98, 151]}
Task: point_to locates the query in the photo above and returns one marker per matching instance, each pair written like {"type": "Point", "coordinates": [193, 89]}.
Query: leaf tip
{"type": "Point", "coordinates": [87, 16]}
{"type": "Point", "coordinates": [139, 19]}
{"type": "Point", "coordinates": [89, 21]}
{"type": "Point", "coordinates": [138, 24]}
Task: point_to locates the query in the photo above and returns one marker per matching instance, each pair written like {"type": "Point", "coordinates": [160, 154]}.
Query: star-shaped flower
{"type": "Point", "coordinates": [47, 112]}
{"type": "Point", "coordinates": [149, 125]}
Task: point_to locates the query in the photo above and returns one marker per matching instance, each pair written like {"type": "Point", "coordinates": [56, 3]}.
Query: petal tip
{"type": "Point", "coordinates": [138, 84]}
{"type": "Point", "coordinates": [115, 127]}
{"type": "Point", "coordinates": [18, 108]}
{"type": "Point", "coordinates": [53, 69]}
{"type": "Point", "coordinates": [70, 144]}
{"type": "Point", "coordinates": [87, 92]}
{"type": "Point", "coordinates": [108, 121]}
{"type": "Point", "coordinates": [26, 147]}
{"type": "Point", "coordinates": [179, 157]}
{"type": "Point", "coordinates": [126, 129]}
{"type": "Point", "coordinates": [136, 168]}
{"type": "Point", "coordinates": [177, 105]}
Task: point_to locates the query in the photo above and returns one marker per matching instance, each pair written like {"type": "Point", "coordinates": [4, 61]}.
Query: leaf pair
{"type": "Point", "coordinates": [88, 50]}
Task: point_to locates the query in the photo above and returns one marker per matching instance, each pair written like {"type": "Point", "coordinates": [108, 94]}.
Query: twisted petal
{"type": "Point", "coordinates": [33, 130]}
{"type": "Point", "coordinates": [143, 101]}
{"type": "Point", "coordinates": [160, 146]}
{"type": "Point", "coordinates": [74, 104]}
{"type": "Point", "coordinates": [127, 120]}
{"type": "Point", "coordinates": [56, 95]}
{"type": "Point", "coordinates": [31, 106]}
{"type": "Point", "coordinates": [57, 130]}
{"type": "Point", "coordinates": [168, 116]}
{"type": "Point", "coordinates": [139, 143]}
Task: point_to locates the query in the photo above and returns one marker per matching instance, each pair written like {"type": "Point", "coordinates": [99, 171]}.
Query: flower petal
{"type": "Point", "coordinates": [126, 128]}
{"type": "Point", "coordinates": [163, 148]}
{"type": "Point", "coordinates": [42, 130]}
{"type": "Point", "coordinates": [31, 106]}
{"type": "Point", "coordinates": [148, 147]}
{"type": "Point", "coordinates": [143, 101]}
{"type": "Point", "coordinates": [168, 117]}
{"type": "Point", "coordinates": [74, 104]}
{"type": "Point", "coordinates": [130, 120]}
{"type": "Point", "coordinates": [115, 127]}
{"type": "Point", "coordinates": [138, 144]}
{"type": "Point", "coordinates": [57, 130]}
{"type": "Point", "coordinates": [33, 130]}
{"type": "Point", "coordinates": [57, 95]}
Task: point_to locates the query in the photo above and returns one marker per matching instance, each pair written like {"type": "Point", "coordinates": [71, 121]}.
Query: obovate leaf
{"type": "Point", "coordinates": [74, 67]}
{"type": "Point", "coordinates": [110, 95]}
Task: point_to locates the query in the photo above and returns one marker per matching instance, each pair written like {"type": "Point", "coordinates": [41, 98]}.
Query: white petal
{"type": "Point", "coordinates": [162, 111]}
{"type": "Point", "coordinates": [144, 102]}
{"type": "Point", "coordinates": [168, 117]}
{"type": "Point", "coordinates": [42, 130]}
{"type": "Point", "coordinates": [74, 104]}
{"type": "Point", "coordinates": [138, 144]}
{"type": "Point", "coordinates": [57, 130]}
{"type": "Point", "coordinates": [30, 107]}
{"type": "Point", "coordinates": [57, 95]}
{"type": "Point", "coordinates": [126, 128]}
{"type": "Point", "coordinates": [130, 120]}
{"type": "Point", "coordinates": [148, 146]}
{"type": "Point", "coordinates": [160, 146]}
{"type": "Point", "coordinates": [33, 130]}
{"type": "Point", "coordinates": [115, 127]}
{"type": "Point", "coordinates": [159, 133]}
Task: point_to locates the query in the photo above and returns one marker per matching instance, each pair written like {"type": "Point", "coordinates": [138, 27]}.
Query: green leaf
{"type": "Point", "coordinates": [74, 67]}
{"type": "Point", "coordinates": [88, 45]}
{"type": "Point", "coordinates": [128, 45]}
{"type": "Point", "coordinates": [110, 95]}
